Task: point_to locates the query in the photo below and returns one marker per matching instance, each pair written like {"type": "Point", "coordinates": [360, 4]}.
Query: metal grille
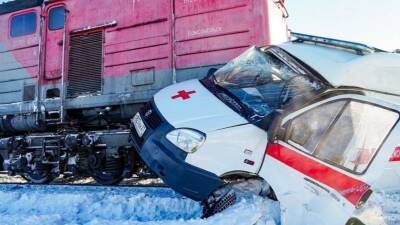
{"type": "Point", "coordinates": [85, 64]}
{"type": "Point", "coordinates": [151, 116]}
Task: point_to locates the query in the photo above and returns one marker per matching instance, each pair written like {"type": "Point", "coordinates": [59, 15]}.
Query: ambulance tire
{"type": "Point", "coordinates": [227, 195]}
{"type": "Point", "coordinates": [218, 204]}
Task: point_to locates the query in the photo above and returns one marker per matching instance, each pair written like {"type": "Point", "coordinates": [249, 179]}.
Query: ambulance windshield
{"type": "Point", "coordinates": [263, 82]}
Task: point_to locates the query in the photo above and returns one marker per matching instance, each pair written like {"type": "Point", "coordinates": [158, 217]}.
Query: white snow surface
{"type": "Point", "coordinates": [94, 205]}
{"type": "Point", "coordinates": [76, 205]}
{"type": "Point", "coordinates": [381, 209]}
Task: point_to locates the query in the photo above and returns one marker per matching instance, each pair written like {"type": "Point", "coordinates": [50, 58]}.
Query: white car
{"type": "Point", "coordinates": [315, 119]}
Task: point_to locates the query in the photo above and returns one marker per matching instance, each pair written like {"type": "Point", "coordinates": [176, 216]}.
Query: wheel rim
{"type": "Point", "coordinates": [40, 175]}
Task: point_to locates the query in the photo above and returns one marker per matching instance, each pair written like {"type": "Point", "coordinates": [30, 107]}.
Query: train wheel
{"type": "Point", "coordinates": [106, 170]}
{"type": "Point", "coordinates": [40, 175]}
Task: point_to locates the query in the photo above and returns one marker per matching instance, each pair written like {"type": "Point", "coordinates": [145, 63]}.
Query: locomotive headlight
{"type": "Point", "coordinates": [186, 139]}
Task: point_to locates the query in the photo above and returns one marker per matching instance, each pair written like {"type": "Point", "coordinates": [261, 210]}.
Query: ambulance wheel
{"type": "Point", "coordinates": [226, 196]}
{"type": "Point", "coordinates": [218, 202]}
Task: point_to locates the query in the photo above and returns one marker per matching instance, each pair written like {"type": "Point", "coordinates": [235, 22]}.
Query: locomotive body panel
{"type": "Point", "coordinates": [93, 55]}
{"type": "Point", "coordinates": [73, 73]}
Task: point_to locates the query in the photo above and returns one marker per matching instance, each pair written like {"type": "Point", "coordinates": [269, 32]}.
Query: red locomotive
{"type": "Point", "coordinates": [73, 73]}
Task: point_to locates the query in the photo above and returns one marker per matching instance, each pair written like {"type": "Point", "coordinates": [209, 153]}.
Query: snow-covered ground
{"type": "Point", "coordinates": [43, 205]}
{"type": "Point", "coordinates": [382, 209]}
{"type": "Point", "coordinates": [91, 205]}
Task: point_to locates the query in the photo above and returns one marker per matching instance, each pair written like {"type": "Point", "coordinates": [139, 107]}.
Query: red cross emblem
{"type": "Point", "coordinates": [183, 94]}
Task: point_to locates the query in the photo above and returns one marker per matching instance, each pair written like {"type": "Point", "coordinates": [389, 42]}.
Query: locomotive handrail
{"type": "Point", "coordinates": [64, 50]}
{"type": "Point", "coordinates": [88, 28]}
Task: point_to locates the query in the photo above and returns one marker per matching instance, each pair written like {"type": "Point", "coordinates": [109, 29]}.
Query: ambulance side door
{"type": "Point", "coordinates": [331, 145]}
{"type": "Point", "coordinates": [289, 161]}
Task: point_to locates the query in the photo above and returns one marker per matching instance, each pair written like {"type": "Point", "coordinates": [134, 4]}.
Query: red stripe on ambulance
{"type": "Point", "coordinates": [350, 188]}
{"type": "Point", "coordinates": [396, 155]}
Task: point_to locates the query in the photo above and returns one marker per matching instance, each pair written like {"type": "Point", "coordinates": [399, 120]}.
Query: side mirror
{"type": "Point", "coordinates": [280, 133]}
{"type": "Point", "coordinates": [211, 71]}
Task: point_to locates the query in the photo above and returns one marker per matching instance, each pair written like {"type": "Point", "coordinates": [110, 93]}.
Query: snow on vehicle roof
{"type": "Point", "coordinates": [379, 71]}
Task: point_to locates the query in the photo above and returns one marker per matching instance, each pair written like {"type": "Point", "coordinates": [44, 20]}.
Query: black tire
{"type": "Point", "coordinates": [223, 202]}
{"type": "Point", "coordinates": [106, 170]}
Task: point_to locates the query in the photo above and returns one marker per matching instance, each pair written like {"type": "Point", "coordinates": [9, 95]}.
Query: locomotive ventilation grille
{"type": "Point", "coordinates": [151, 117]}
{"type": "Point", "coordinates": [85, 64]}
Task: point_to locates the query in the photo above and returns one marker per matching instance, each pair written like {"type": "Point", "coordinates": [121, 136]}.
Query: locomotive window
{"type": "Point", "coordinates": [57, 18]}
{"type": "Point", "coordinates": [24, 24]}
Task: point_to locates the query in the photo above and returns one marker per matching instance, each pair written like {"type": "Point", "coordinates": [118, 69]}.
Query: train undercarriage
{"type": "Point", "coordinates": [99, 148]}
{"type": "Point", "coordinates": [106, 156]}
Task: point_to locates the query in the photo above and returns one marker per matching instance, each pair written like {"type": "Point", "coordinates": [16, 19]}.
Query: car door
{"type": "Point", "coordinates": [321, 158]}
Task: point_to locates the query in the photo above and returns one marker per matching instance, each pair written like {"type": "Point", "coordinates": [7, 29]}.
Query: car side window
{"type": "Point", "coordinates": [343, 133]}
{"type": "Point", "coordinates": [356, 136]}
{"type": "Point", "coordinates": [23, 24]}
{"type": "Point", "coordinates": [308, 128]}
{"type": "Point", "coordinates": [57, 18]}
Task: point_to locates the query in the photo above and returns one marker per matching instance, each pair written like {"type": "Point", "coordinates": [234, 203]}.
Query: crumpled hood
{"type": "Point", "coordinates": [190, 105]}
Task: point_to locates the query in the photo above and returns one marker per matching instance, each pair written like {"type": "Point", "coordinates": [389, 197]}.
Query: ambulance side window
{"type": "Point", "coordinates": [356, 136]}
{"type": "Point", "coordinates": [307, 129]}
{"type": "Point", "coordinates": [344, 133]}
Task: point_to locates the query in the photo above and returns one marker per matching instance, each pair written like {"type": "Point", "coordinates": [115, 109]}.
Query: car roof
{"type": "Point", "coordinates": [376, 71]}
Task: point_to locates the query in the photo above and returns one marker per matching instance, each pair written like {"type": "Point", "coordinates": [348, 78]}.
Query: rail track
{"type": "Point", "coordinates": [6, 180]}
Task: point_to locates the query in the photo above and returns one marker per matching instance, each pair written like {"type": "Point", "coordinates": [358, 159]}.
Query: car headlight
{"type": "Point", "coordinates": [186, 139]}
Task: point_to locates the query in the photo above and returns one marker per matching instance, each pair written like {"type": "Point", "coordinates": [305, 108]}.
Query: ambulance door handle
{"type": "Point", "coordinates": [314, 184]}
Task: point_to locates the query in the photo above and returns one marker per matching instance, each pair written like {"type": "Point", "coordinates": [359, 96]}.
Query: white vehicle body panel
{"type": "Point", "coordinates": [202, 111]}
{"type": "Point", "coordinates": [377, 71]}
{"type": "Point", "coordinates": [226, 150]}
{"type": "Point", "coordinates": [231, 139]}
{"type": "Point", "coordinates": [300, 199]}
{"type": "Point", "coordinates": [316, 203]}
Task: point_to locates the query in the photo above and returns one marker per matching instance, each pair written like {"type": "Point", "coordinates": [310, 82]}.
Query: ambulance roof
{"type": "Point", "coordinates": [375, 70]}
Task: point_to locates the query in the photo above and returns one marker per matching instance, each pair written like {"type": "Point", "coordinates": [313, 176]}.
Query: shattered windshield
{"type": "Point", "coordinates": [263, 82]}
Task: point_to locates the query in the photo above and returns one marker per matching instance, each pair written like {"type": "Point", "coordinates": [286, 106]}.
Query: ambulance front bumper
{"type": "Point", "coordinates": [168, 162]}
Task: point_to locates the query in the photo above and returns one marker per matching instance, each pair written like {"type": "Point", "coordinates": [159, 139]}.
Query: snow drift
{"type": "Point", "coordinates": [91, 205]}
{"type": "Point", "coordinates": [73, 205]}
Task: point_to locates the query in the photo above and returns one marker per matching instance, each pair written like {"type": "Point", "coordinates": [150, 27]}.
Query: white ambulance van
{"type": "Point", "coordinates": [314, 119]}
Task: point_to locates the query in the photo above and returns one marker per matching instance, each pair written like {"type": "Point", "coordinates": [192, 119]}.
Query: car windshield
{"type": "Point", "coordinates": [263, 82]}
